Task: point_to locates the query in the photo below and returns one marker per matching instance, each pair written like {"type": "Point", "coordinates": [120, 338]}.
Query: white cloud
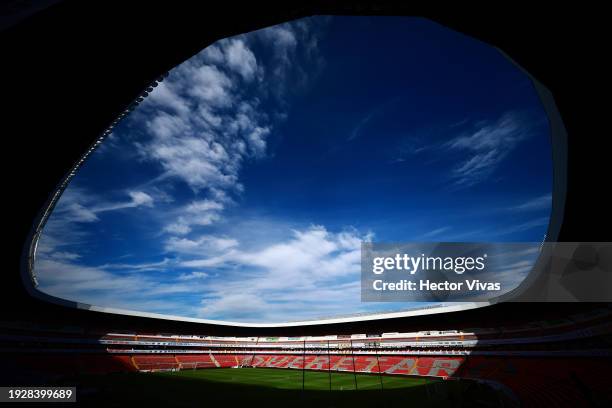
{"type": "Point", "coordinates": [238, 305]}
{"type": "Point", "coordinates": [201, 246]}
{"type": "Point", "coordinates": [213, 54]}
{"type": "Point", "coordinates": [165, 97]}
{"type": "Point", "coordinates": [65, 276]}
{"type": "Point", "coordinates": [65, 232]}
{"type": "Point", "coordinates": [193, 275]}
{"type": "Point", "coordinates": [64, 256]}
{"type": "Point", "coordinates": [241, 59]}
{"type": "Point", "coordinates": [486, 147]}
{"type": "Point", "coordinates": [166, 126]}
{"type": "Point", "coordinates": [436, 232]}
{"type": "Point", "coordinates": [140, 198]}
{"type": "Point", "coordinates": [178, 228]}
{"type": "Point", "coordinates": [197, 213]}
{"type": "Point", "coordinates": [203, 124]}
{"type": "Point", "coordinates": [300, 302]}
{"type": "Point", "coordinates": [525, 226]}
{"type": "Point", "coordinates": [140, 267]}
{"type": "Point", "coordinates": [101, 287]}
{"type": "Point", "coordinates": [76, 205]}
{"type": "Point", "coordinates": [296, 273]}
{"type": "Point", "coordinates": [284, 41]}
{"type": "Point", "coordinates": [314, 252]}
{"type": "Point", "coordinates": [78, 213]}
{"type": "Point", "coordinates": [209, 84]}
{"type": "Point", "coordinates": [137, 199]}
{"type": "Point", "coordinates": [315, 272]}
{"type": "Point", "coordinates": [538, 203]}
{"type": "Point", "coordinates": [198, 122]}
{"type": "Point", "coordinates": [198, 160]}
{"type": "Point", "coordinates": [199, 127]}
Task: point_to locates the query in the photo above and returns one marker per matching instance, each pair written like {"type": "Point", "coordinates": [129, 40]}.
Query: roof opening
{"type": "Point", "coordinates": [241, 188]}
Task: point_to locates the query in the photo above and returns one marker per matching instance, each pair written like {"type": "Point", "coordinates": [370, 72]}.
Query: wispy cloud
{"type": "Point", "coordinates": [101, 287]}
{"type": "Point", "coordinates": [436, 232]}
{"type": "Point", "coordinates": [77, 205]}
{"type": "Point", "coordinates": [192, 276]}
{"type": "Point", "coordinates": [524, 226]}
{"type": "Point", "coordinates": [197, 213]}
{"type": "Point", "coordinates": [202, 123]}
{"type": "Point", "coordinates": [538, 203]}
{"type": "Point", "coordinates": [475, 149]}
{"type": "Point", "coordinates": [315, 271]}
{"type": "Point", "coordinates": [140, 267]}
{"type": "Point", "coordinates": [378, 110]}
{"type": "Point", "coordinates": [203, 245]}
{"type": "Point", "coordinates": [241, 59]}
{"type": "Point", "coordinates": [486, 147]}
{"type": "Point", "coordinates": [361, 124]}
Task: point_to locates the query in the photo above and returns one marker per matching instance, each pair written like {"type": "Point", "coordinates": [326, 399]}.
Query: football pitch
{"type": "Point", "coordinates": [291, 379]}
{"type": "Point", "coordinates": [269, 387]}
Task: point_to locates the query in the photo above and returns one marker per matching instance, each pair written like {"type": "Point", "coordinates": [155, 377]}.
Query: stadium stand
{"type": "Point", "coordinates": [539, 362]}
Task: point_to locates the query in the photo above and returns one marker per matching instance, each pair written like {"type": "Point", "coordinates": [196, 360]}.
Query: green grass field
{"type": "Point", "coordinates": [293, 380]}
{"type": "Point", "coordinates": [260, 387]}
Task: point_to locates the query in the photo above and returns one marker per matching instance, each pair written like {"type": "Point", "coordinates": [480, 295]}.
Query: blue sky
{"type": "Point", "coordinates": [242, 187]}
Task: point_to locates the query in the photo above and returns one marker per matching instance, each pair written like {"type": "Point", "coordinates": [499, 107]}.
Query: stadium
{"type": "Point", "coordinates": [273, 339]}
{"type": "Point", "coordinates": [541, 360]}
